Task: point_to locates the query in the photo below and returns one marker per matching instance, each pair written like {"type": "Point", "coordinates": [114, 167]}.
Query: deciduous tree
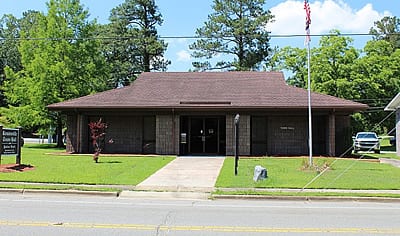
{"type": "Point", "coordinates": [375, 82]}
{"type": "Point", "coordinates": [9, 55]}
{"type": "Point", "coordinates": [332, 64]}
{"type": "Point", "coordinates": [59, 63]}
{"type": "Point", "coordinates": [369, 76]}
{"type": "Point", "coordinates": [293, 60]}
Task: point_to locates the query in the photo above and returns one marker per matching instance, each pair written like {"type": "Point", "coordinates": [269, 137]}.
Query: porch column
{"type": "Point", "coordinates": [72, 133]}
{"type": "Point", "coordinates": [244, 135]}
{"type": "Point", "coordinates": [167, 134]}
{"type": "Point", "coordinates": [331, 135]}
{"type": "Point", "coordinates": [82, 134]}
{"type": "Point", "coordinates": [229, 135]}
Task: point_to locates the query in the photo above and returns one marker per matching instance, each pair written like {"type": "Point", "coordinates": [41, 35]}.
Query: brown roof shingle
{"type": "Point", "coordinates": [253, 90]}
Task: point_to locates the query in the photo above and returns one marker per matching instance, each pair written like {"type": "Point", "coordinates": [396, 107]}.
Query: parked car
{"type": "Point", "coordinates": [366, 141]}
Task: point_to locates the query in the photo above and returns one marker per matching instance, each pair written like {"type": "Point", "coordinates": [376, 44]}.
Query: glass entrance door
{"type": "Point", "coordinates": [197, 136]}
{"type": "Point", "coordinates": [211, 135]}
{"type": "Point", "coordinates": [206, 135]}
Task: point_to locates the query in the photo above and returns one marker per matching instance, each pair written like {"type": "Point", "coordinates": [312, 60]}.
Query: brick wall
{"type": "Point", "coordinates": [126, 133]}
{"type": "Point", "coordinates": [167, 134]}
{"type": "Point", "coordinates": [343, 138]}
{"type": "Point", "coordinates": [71, 134]}
{"type": "Point", "coordinates": [331, 135]}
{"type": "Point", "coordinates": [288, 135]}
{"type": "Point", "coordinates": [77, 133]}
{"type": "Point", "coordinates": [83, 134]}
{"type": "Point", "coordinates": [244, 135]}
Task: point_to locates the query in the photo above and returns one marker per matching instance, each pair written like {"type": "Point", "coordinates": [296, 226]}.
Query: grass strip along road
{"type": "Point", "coordinates": [54, 166]}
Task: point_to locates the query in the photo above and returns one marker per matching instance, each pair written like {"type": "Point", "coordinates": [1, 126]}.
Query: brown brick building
{"type": "Point", "coordinates": [192, 113]}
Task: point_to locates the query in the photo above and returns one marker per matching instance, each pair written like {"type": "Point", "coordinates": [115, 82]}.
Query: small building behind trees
{"type": "Point", "coordinates": [394, 106]}
{"type": "Point", "coordinates": [192, 113]}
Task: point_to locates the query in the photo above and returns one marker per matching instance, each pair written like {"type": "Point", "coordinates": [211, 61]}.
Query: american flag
{"type": "Point", "coordinates": [308, 21]}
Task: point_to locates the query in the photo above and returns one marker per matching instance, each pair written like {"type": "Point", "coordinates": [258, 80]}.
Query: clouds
{"type": "Point", "coordinates": [183, 55]}
{"type": "Point", "coordinates": [348, 16]}
{"type": "Point", "coordinates": [325, 15]}
{"type": "Point", "coordinates": [179, 48]}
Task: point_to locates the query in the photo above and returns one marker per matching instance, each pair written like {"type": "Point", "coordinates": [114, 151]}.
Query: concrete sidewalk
{"type": "Point", "coordinates": [185, 174]}
{"type": "Point", "coordinates": [393, 162]}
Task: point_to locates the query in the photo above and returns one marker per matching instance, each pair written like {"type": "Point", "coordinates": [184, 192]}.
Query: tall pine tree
{"type": "Point", "coordinates": [135, 45]}
{"type": "Point", "coordinates": [236, 28]}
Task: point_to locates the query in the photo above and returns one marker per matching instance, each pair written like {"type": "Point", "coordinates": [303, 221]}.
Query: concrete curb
{"type": "Point", "coordinates": [305, 198]}
{"type": "Point", "coordinates": [51, 185]}
{"type": "Point", "coordinates": [165, 195]}
{"type": "Point", "coordinates": [179, 192]}
{"type": "Point", "coordinates": [294, 190]}
{"type": "Point", "coordinates": [61, 192]}
{"type": "Point", "coordinates": [174, 189]}
{"type": "Point", "coordinates": [71, 192]}
{"type": "Point", "coordinates": [11, 190]}
{"type": "Point", "coordinates": [194, 195]}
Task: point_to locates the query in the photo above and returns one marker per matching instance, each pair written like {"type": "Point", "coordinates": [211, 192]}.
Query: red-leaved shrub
{"type": "Point", "coordinates": [97, 134]}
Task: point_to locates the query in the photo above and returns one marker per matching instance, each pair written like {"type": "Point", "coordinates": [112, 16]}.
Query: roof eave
{"type": "Point", "coordinates": [394, 104]}
{"type": "Point", "coordinates": [214, 107]}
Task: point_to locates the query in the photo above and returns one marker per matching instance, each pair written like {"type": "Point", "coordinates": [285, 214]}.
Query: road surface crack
{"type": "Point", "coordinates": [164, 225]}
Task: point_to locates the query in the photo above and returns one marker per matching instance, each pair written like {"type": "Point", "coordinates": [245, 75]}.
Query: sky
{"type": "Point", "coordinates": [182, 17]}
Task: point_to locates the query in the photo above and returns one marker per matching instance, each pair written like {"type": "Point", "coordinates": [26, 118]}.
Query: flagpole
{"type": "Point", "coordinates": [309, 106]}
{"type": "Point", "coordinates": [308, 39]}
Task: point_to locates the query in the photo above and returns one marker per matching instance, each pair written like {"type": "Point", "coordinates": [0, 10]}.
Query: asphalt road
{"type": "Point", "coordinates": [40, 214]}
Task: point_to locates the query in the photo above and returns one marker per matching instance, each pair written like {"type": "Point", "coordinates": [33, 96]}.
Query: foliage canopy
{"type": "Point", "coordinates": [62, 67]}
{"type": "Point", "coordinates": [138, 47]}
{"type": "Point", "coordinates": [236, 28]}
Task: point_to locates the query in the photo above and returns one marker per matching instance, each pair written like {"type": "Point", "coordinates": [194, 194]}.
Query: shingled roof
{"type": "Point", "coordinates": [238, 90]}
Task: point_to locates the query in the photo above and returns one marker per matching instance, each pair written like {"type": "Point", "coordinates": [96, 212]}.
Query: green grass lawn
{"type": "Point", "coordinates": [51, 167]}
{"type": "Point", "coordinates": [390, 155]}
{"type": "Point", "coordinates": [385, 145]}
{"type": "Point", "coordinates": [288, 173]}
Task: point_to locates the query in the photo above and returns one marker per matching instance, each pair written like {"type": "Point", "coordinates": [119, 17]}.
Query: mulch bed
{"type": "Point", "coordinates": [7, 168]}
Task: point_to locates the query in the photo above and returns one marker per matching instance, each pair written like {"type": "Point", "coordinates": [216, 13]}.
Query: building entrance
{"type": "Point", "coordinates": [202, 135]}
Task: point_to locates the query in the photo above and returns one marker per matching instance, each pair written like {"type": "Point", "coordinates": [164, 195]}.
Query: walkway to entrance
{"type": "Point", "coordinates": [185, 174]}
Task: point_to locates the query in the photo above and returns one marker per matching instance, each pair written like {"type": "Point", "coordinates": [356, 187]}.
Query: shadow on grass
{"type": "Point", "coordinates": [388, 148]}
{"type": "Point", "coordinates": [43, 146]}
{"type": "Point", "coordinates": [20, 167]}
{"type": "Point", "coordinates": [362, 156]}
{"type": "Point", "coordinates": [109, 162]}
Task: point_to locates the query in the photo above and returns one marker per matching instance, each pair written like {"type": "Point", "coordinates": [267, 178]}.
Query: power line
{"type": "Point", "coordinates": [342, 155]}
{"type": "Point", "coordinates": [188, 37]}
{"type": "Point", "coordinates": [372, 99]}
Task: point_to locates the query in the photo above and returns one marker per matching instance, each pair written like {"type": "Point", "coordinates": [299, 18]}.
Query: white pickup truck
{"type": "Point", "coordinates": [366, 141]}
